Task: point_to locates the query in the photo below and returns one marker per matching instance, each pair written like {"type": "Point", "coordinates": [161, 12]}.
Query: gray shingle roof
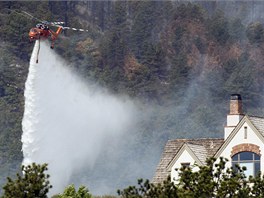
{"type": "Point", "coordinates": [258, 122]}
{"type": "Point", "coordinates": [203, 148]}
{"type": "Point", "coordinates": [199, 151]}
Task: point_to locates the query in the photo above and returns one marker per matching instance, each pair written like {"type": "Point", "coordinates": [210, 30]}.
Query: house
{"type": "Point", "coordinates": [243, 144]}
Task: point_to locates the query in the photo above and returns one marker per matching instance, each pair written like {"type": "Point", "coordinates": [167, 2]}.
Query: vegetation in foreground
{"type": "Point", "coordinates": [212, 180]}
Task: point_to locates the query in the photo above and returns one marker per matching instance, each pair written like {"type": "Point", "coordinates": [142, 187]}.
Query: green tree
{"type": "Point", "coordinates": [148, 190]}
{"type": "Point", "coordinates": [114, 47]}
{"type": "Point", "coordinates": [189, 11]}
{"type": "Point", "coordinates": [213, 180]}
{"type": "Point", "coordinates": [258, 187]}
{"type": "Point", "coordinates": [218, 27]}
{"type": "Point", "coordinates": [143, 28]}
{"type": "Point", "coordinates": [70, 192]}
{"type": "Point", "coordinates": [236, 30]}
{"type": "Point", "coordinates": [255, 33]}
{"type": "Point", "coordinates": [33, 183]}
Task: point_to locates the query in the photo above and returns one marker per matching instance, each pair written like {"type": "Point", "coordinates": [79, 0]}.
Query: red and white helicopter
{"type": "Point", "coordinates": [43, 31]}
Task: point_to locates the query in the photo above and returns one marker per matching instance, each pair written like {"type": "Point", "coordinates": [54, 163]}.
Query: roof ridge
{"type": "Point", "coordinates": [251, 116]}
{"type": "Point", "coordinates": [185, 139]}
{"type": "Point", "coordinates": [193, 143]}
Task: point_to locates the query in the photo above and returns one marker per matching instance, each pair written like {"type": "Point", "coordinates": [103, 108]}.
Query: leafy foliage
{"type": "Point", "coordinates": [212, 180]}
{"type": "Point", "coordinates": [218, 26]}
{"type": "Point", "coordinates": [33, 183]}
{"type": "Point", "coordinates": [70, 192]}
{"type": "Point", "coordinates": [255, 33]}
{"type": "Point", "coordinates": [149, 190]}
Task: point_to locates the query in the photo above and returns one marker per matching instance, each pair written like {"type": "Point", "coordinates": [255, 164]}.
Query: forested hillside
{"type": "Point", "coordinates": [180, 60]}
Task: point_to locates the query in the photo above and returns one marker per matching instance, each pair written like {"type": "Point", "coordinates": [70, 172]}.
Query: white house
{"type": "Point", "coordinates": [243, 144]}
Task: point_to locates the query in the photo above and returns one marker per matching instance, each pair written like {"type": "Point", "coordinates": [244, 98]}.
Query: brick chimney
{"type": "Point", "coordinates": [235, 115]}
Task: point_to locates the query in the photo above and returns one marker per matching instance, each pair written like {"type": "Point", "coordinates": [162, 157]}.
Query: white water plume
{"type": "Point", "coordinates": [66, 123]}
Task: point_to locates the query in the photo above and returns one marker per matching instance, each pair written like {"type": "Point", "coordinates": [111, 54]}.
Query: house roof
{"type": "Point", "coordinates": [199, 151]}
{"type": "Point", "coordinates": [258, 122]}
{"type": "Point", "coordinates": [202, 148]}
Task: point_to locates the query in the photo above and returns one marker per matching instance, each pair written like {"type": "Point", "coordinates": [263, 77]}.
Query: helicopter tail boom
{"type": "Point", "coordinates": [54, 35]}
{"type": "Point", "coordinates": [59, 30]}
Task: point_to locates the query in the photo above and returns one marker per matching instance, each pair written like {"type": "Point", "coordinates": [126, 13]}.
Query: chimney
{"type": "Point", "coordinates": [235, 115]}
{"type": "Point", "coordinates": [235, 104]}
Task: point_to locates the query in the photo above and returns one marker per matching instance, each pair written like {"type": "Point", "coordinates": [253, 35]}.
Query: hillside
{"type": "Point", "coordinates": [181, 61]}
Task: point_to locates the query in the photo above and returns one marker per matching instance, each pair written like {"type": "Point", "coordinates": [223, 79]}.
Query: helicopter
{"type": "Point", "coordinates": [43, 31]}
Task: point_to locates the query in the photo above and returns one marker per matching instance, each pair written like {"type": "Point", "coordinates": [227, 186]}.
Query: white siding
{"type": "Point", "coordinates": [252, 138]}
{"type": "Point", "coordinates": [185, 157]}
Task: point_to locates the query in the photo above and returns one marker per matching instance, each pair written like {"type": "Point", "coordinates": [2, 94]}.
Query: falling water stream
{"type": "Point", "coordinates": [67, 122]}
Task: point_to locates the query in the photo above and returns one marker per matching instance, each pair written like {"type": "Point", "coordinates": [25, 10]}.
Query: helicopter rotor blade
{"type": "Point", "coordinates": [28, 15]}
{"type": "Point", "coordinates": [75, 29]}
{"type": "Point", "coordinates": [57, 23]}
{"type": "Point", "coordinates": [23, 13]}
{"type": "Point", "coordinates": [31, 16]}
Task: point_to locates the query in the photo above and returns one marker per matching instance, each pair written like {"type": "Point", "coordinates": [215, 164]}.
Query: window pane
{"type": "Point", "coordinates": [257, 157]}
{"type": "Point", "coordinates": [246, 156]}
{"type": "Point", "coordinates": [234, 166]}
{"type": "Point", "coordinates": [185, 165]}
{"type": "Point", "coordinates": [235, 157]}
{"type": "Point", "coordinates": [257, 168]}
{"type": "Point", "coordinates": [249, 170]}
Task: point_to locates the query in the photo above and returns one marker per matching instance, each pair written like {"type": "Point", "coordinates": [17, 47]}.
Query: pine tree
{"type": "Point", "coordinates": [33, 183]}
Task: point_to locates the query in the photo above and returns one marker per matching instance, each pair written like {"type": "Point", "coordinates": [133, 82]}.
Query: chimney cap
{"type": "Point", "coordinates": [236, 97]}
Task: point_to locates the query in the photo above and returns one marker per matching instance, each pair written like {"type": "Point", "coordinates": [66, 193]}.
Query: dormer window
{"type": "Point", "coordinates": [185, 165]}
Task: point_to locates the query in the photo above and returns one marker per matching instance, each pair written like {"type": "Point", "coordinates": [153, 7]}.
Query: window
{"type": "Point", "coordinates": [249, 160]}
{"type": "Point", "coordinates": [185, 165]}
{"type": "Point", "coordinates": [245, 132]}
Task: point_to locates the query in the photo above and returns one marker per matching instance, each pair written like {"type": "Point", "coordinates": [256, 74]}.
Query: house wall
{"type": "Point", "coordinates": [251, 142]}
{"type": "Point", "coordinates": [185, 157]}
{"type": "Point", "coordinates": [232, 121]}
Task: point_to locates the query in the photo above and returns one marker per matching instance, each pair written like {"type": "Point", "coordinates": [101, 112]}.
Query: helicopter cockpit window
{"type": "Point", "coordinates": [33, 30]}
{"type": "Point", "coordinates": [40, 26]}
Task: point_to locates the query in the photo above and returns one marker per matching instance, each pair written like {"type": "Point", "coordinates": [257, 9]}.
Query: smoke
{"type": "Point", "coordinates": [68, 123]}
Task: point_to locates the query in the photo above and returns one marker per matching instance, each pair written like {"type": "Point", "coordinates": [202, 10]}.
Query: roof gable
{"type": "Point", "coordinates": [190, 148]}
{"type": "Point", "coordinates": [200, 152]}
{"type": "Point", "coordinates": [172, 148]}
{"type": "Point", "coordinates": [255, 123]}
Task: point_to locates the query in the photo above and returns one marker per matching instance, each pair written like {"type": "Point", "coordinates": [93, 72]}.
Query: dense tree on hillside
{"type": "Point", "coordinates": [189, 11]}
{"type": "Point", "coordinates": [218, 27]}
{"type": "Point", "coordinates": [142, 30]}
{"type": "Point", "coordinates": [11, 112]}
{"type": "Point", "coordinates": [33, 183]}
{"type": "Point", "coordinates": [114, 48]}
{"type": "Point", "coordinates": [255, 33]}
{"type": "Point", "coordinates": [236, 30]}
